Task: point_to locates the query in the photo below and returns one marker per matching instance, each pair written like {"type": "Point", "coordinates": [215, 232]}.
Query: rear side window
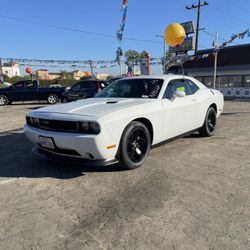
{"type": "Point", "coordinates": [192, 86]}
{"type": "Point", "coordinates": [87, 85]}
{"type": "Point", "coordinates": [76, 87]}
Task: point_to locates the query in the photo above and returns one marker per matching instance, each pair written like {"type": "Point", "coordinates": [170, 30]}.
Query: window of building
{"type": "Point", "coordinates": [247, 81]}
{"type": "Point", "coordinates": [222, 81]}
{"type": "Point", "coordinates": [208, 81]}
{"type": "Point", "coordinates": [235, 81]}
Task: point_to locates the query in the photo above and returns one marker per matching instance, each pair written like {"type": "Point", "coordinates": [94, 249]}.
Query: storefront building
{"type": "Point", "coordinates": [233, 72]}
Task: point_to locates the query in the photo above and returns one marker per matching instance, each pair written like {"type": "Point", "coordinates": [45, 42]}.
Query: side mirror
{"type": "Point", "coordinates": [179, 93]}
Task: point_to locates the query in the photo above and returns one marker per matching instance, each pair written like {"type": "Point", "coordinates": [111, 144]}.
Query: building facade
{"type": "Point", "coordinates": [233, 70]}
{"type": "Point", "coordinates": [11, 69]}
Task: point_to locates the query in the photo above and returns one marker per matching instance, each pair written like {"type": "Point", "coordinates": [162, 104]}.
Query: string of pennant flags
{"type": "Point", "coordinates": [42, 61]}
{"type": "Point", "coordinates": [241, 35]}
{"type": "Point", "coordinates": [124, 9]}
{"type": "Point", "coordinates": [98, 64]}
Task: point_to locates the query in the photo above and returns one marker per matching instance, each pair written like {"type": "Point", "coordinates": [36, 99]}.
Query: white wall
{"type": "Point", "coordinates": [11, 71]}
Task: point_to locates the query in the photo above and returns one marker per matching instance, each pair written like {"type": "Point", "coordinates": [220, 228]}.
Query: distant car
{"type": "Point", "coordinates": [111, 80]}
{"type": "Point", "coordinates": [29, 90]}
{"type": "Point", "coordinates": [82, 90]}
{"type": "Point", "coordinates": [122, 122]}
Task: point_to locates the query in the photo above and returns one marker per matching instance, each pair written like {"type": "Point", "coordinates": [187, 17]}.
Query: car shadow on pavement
{"type": "Point", "coordinates": [17, 160]}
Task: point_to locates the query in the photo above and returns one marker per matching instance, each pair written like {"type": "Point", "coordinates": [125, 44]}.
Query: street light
{"type": "Point", "coordinates": [164, 51]}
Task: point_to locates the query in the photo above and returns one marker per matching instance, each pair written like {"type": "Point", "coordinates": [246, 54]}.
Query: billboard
{"type": "Point", "coordinates": [188, 27]}
{"type": "Point", "coordinates": [188, 44]}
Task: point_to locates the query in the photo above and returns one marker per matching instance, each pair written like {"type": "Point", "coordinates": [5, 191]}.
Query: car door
{"type": "Point", "coordinates": [179, 113]}
{"type": "Point", "coordinates": [88, 89]}
{"type": "Point", "coordinates": [30, 91]}
{"type": "Point", "coordinates": [73, 93]}
{"type": "Point", "coordinates": [16, 92]}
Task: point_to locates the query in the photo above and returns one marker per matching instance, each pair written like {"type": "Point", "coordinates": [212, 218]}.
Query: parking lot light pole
{"type": "Point", "coordinates": [164, 52]}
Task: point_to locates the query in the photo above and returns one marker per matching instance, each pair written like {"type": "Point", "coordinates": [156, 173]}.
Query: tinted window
{"type": "Point", "coordinates": [192, 86]}
{"type": "Point", "coordinates": [87, 85]}
{"type": "Point", "coordinates": [18, 85]}
{"type": "Point", "coordinates": [29, 85]}
{"type": "Point", "coordinates": [76, 87]}
{"type": "Point", "coordinates": [133, 88]}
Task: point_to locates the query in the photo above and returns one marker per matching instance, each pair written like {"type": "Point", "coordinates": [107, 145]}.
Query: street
{"type": "Point", "coordinates": [191, 193]}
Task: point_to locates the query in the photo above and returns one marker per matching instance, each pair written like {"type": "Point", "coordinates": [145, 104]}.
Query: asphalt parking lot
{"type": "Point", "coordinates": [192, 193]}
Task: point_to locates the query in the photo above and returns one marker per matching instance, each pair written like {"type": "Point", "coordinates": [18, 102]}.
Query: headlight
{"type": "Point", "coordinates": [32, 121]}
{"type": "Point", "coordinates": [89, 127]}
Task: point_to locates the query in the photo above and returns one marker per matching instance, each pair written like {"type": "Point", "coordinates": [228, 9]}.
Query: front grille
{"type": "Point", "coordinates": [65, 126]}
{"type": "Point", "coordinates": [53, 125]}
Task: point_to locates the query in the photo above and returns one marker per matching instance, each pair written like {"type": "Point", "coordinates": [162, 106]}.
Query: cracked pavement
{"type": "Point", "coordinates": [191, 193]}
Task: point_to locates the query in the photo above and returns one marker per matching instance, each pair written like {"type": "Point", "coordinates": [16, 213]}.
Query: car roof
{"type": "Point", "coordinates": [166, 78]}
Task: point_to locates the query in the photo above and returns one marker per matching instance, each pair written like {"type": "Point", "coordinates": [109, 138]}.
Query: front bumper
{"type": "Point", "coordinates": [76, 146]}
{"type": "Point", "coordinates": [44, 153]}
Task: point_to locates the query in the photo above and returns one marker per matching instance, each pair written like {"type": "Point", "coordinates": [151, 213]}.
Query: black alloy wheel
{"type": "Point", "coordinates": [209, 127]}
{"type": "Point", "coordinates": [135, 145]}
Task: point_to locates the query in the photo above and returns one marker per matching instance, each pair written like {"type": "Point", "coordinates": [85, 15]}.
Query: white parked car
{"type": "Point", "coordinates": [125, 119]}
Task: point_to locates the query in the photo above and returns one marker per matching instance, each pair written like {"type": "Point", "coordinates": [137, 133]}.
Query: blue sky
{"type": "Point", "coordinates": [145, 19]}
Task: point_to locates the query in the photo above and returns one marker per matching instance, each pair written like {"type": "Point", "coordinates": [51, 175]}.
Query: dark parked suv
{"type": "Point", "coordinates": [83, 89]}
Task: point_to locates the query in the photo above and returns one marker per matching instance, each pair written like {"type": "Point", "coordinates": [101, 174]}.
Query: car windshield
{"type": "Point", "coordinates": [133, 88]}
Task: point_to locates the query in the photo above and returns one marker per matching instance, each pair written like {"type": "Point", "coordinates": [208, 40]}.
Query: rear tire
{"type": "Point", "coordinates": [3, 100]}
{"type": "Point", "coordinates": [134, 146]}
{"type": "Point", "coordinates": [209, 127]}
{"type": "Point", "coordinates": [52, 99]}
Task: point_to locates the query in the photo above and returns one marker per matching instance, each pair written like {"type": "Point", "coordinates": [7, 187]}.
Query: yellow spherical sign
{"type": "Point", "coordinates": [174, 34]}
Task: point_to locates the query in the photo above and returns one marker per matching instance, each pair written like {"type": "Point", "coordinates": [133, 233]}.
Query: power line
{"type": "Point", "coordinates": [75, 30]}
{"type": "Point", "coordinates": [198, 6]}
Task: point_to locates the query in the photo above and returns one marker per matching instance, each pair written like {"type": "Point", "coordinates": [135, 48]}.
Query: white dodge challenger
{"type": "Point", "coordinates": [124, 120]}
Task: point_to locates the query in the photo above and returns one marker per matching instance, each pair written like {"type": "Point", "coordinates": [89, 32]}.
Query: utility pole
{"type": "Point", "coordinates": [216, 47]}
{"type": "Point", "coordinates": [199, 5]}
{"type": "Point", "coordinates": [1, 71]}
{"type": "Point", "coordinates": [164, 53]}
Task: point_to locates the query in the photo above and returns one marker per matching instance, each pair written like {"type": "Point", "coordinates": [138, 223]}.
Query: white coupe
{"type": "Point", "coordinates": [125, 119]}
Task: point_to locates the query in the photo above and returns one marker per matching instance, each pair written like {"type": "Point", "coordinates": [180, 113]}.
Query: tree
{"type": "Point", "coordinates": [65, 74]}
{"type": "Point", "coordinates": [144, 54]}
{"type": "Point", "coordinates": [132, 55]}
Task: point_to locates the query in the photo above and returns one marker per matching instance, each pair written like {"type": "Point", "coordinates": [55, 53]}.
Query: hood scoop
{"type": "Point", "coordinates": [111, 102]}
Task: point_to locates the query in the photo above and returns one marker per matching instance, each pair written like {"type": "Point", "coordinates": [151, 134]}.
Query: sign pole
{"type": "Point", "coordinates": [215, 56]}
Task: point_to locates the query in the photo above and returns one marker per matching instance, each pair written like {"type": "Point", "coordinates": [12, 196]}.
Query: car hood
{"type": "Point", "coordinates": [93, 107]}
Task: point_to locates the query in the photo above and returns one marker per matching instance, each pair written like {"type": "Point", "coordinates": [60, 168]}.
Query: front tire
{"type": "Point", "coordinates": [134, 146]}
{"type": "Point", "coordinates": [3, 100]}
{"type": "Point", "coordinates": [209, 127]}
{"type": "Point", "coordinates": [64, 100]}
{"type": "Point", "coordinates": [52, 99]}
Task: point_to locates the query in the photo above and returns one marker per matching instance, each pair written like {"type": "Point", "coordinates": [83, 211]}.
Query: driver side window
{"type": "Point", "coordinates": [176, 85]}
